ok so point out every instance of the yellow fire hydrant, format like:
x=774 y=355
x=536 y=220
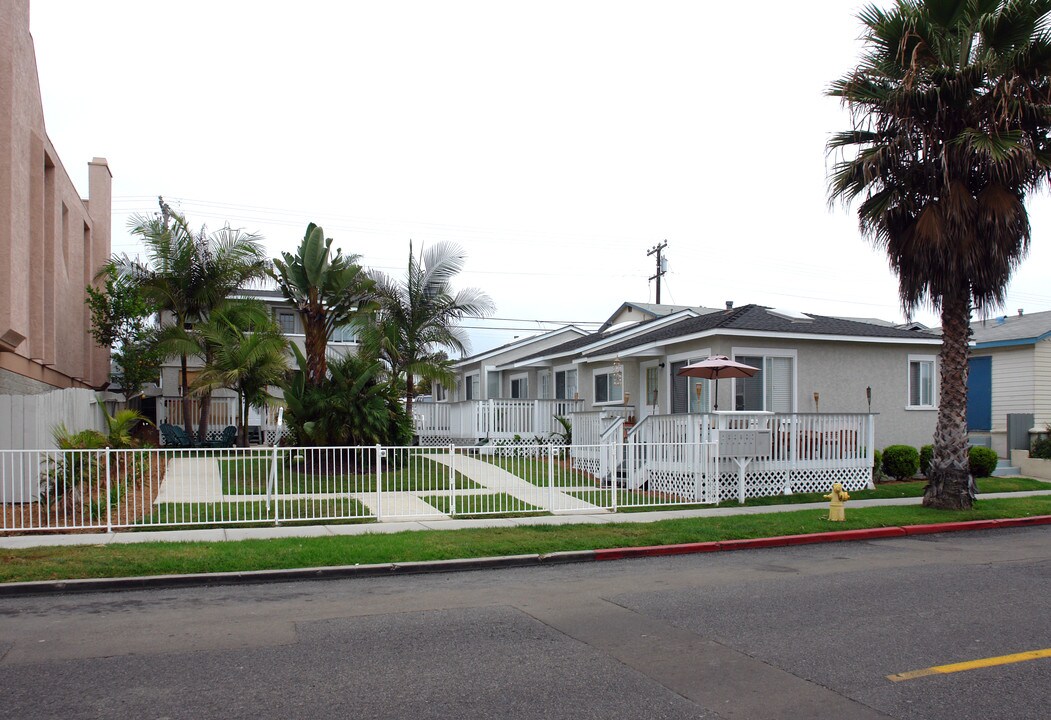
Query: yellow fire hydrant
x=836 y=498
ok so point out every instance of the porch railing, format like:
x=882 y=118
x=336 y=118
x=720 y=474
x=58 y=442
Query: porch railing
x=794 y=452
x=222 y=412
x=498 y=419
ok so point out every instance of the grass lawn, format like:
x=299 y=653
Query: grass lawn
x=120 y=560
x=483 y=505
x=248 y=476
x=537 y=471
x=240 y=512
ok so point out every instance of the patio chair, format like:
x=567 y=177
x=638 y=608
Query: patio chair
x=226 y=439
x=176 y=437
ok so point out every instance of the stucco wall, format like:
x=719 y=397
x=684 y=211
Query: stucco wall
x=503 y=358
x=839 y=371
x=52 y=241
x=12 y=383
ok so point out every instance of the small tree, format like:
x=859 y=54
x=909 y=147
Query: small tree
x=419 y=317
x=122 y=320
x=329 y=290
x=242 y=360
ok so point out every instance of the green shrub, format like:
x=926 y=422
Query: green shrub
x=926 y=453
x=901 y=462
x=983 y=461
x=878 y=475
x=1041 y=447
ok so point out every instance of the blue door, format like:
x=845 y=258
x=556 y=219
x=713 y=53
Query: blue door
x=980 y=394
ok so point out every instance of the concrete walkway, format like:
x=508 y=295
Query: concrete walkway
x=188 y=480
x=220 y=534
x=495 y=478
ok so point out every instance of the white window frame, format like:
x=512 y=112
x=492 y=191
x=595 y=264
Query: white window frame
x=607 y=372
x=522 y=377
x=924 y=359
x=342 y=332
x=668 y=381
x=490 y=373
x=282 y=313
x=544 y=388
x=472 y=385
x=566 y=369
x=768 y=353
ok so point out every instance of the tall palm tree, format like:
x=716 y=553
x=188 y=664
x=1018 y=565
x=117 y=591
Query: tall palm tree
x=951 y=108
x=246 y=352
x=329 y=290
x=419 y=315
x=186 y=273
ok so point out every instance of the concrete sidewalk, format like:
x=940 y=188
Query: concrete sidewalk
x=220 y=534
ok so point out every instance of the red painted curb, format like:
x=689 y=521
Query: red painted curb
x=656 y=550
x=815 y=538
x=1025 y=522
x=951 y=527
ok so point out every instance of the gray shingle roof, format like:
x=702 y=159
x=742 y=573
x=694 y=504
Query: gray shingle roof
x=759 y=319
x=747 y=317
x=1011 y=327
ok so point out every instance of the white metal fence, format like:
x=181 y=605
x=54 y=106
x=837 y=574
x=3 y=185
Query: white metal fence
x=113 y=489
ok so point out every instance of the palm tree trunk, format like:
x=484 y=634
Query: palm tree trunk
x=186 y=421
x=242 y=419
x=316 y=343
x=206 y=409
x=408 y=393
x=949 y=481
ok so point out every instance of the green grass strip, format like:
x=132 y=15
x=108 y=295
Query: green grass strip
x=253 y=512
x=122 y=560
x=248 y=476
x=488 y=505
x=542 y=472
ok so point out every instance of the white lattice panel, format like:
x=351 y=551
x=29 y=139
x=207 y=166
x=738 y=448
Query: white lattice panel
x=820 y=480
x=435 y=440
x=687 y=487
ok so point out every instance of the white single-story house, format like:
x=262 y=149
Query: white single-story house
x=1009 y=380
x=808 y=364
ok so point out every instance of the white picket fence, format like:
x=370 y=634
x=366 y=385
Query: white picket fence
x=772 y=453
x=222 y=412
x=497 y=419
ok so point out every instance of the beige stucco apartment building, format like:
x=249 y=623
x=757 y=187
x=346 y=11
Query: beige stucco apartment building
x=51 y=241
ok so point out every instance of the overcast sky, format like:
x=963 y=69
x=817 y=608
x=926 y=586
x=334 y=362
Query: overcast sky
x=556 y=142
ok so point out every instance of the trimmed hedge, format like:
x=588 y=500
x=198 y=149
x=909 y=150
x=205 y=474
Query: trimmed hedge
x=983 y=461
x=901 y=462
x=926 y=453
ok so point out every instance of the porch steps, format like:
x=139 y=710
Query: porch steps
x=1005 y=469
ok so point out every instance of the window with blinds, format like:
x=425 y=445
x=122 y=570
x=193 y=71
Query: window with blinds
x=685 y=397
x=770 y=389
x=921 y=383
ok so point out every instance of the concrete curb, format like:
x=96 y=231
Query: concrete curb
x=492 y=563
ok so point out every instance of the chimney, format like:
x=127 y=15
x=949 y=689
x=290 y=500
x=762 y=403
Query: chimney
x=729 y=304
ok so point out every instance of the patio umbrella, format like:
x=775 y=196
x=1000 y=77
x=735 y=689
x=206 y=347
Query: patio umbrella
x=715 y=367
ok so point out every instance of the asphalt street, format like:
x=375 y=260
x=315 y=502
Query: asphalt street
x=796 y=632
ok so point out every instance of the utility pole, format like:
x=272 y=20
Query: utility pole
x=662 y=265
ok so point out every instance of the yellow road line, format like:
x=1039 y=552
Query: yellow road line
x=972 y=665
